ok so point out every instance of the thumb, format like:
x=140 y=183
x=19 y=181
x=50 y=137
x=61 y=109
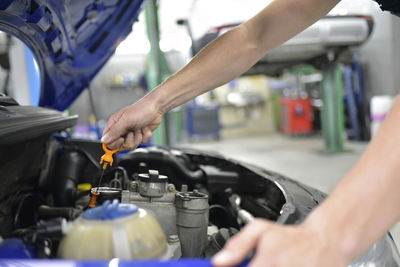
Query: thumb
x=238 y=247
x=115 y=131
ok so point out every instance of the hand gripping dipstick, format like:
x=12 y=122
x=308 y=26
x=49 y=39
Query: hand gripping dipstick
x=106 y=159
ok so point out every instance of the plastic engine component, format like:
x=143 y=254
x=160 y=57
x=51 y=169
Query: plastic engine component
x=114 y=230
x=110 y=211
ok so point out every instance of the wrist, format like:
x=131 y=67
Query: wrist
x=159 y=96
x=156 y=99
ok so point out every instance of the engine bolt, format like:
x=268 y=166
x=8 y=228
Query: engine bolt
x=133 y=187
x=184 y=188
x=171 y=188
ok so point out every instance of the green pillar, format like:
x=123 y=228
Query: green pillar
x=332 y=113
x=157 y=68
x=157 y=72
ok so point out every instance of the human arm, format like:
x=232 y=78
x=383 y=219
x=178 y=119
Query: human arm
x=222 y=60
x=359 y=211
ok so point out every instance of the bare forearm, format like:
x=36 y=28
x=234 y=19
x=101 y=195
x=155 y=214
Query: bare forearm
x=365 y=203
x=236 y=51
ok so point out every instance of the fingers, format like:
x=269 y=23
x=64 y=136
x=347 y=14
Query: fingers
x=128 y=120
x=261 y=258
x=113 y=119
x=147 y=134
x=239 y=246
x=138 y=138
x=129 y=142
x=132 y=140
x=114 y=132
x=116 y=144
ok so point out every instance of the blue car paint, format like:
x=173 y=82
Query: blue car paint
x=33 y=77
x=71 y=43
x=111 y=263
x=16 y=248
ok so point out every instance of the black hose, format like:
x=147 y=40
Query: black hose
x=68 y=168
x=161 y=158
x=46 y=212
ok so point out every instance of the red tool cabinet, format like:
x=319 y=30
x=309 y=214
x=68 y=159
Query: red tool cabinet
x=296 y=115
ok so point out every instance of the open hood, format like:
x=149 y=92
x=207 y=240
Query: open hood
x=71 y=40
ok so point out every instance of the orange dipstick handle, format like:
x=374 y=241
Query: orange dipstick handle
x=107 y=157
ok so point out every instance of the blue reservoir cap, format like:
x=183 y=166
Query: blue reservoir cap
x=110 y=211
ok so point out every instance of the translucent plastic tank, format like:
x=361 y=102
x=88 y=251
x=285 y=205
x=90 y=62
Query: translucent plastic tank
x=114 y=230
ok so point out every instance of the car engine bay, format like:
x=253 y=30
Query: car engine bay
x=198 y=199
x=154 y=202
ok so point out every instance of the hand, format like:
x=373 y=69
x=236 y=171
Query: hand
x=278 y=245
x=132 y=125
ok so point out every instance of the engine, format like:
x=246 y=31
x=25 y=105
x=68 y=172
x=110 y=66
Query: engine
x=183 y=215
x=153 y=203
x=180 y=225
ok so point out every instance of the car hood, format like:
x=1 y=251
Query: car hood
x=71 y=40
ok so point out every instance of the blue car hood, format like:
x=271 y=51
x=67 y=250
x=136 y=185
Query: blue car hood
x=71 y=39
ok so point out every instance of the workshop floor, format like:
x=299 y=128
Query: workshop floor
x=301 y=158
